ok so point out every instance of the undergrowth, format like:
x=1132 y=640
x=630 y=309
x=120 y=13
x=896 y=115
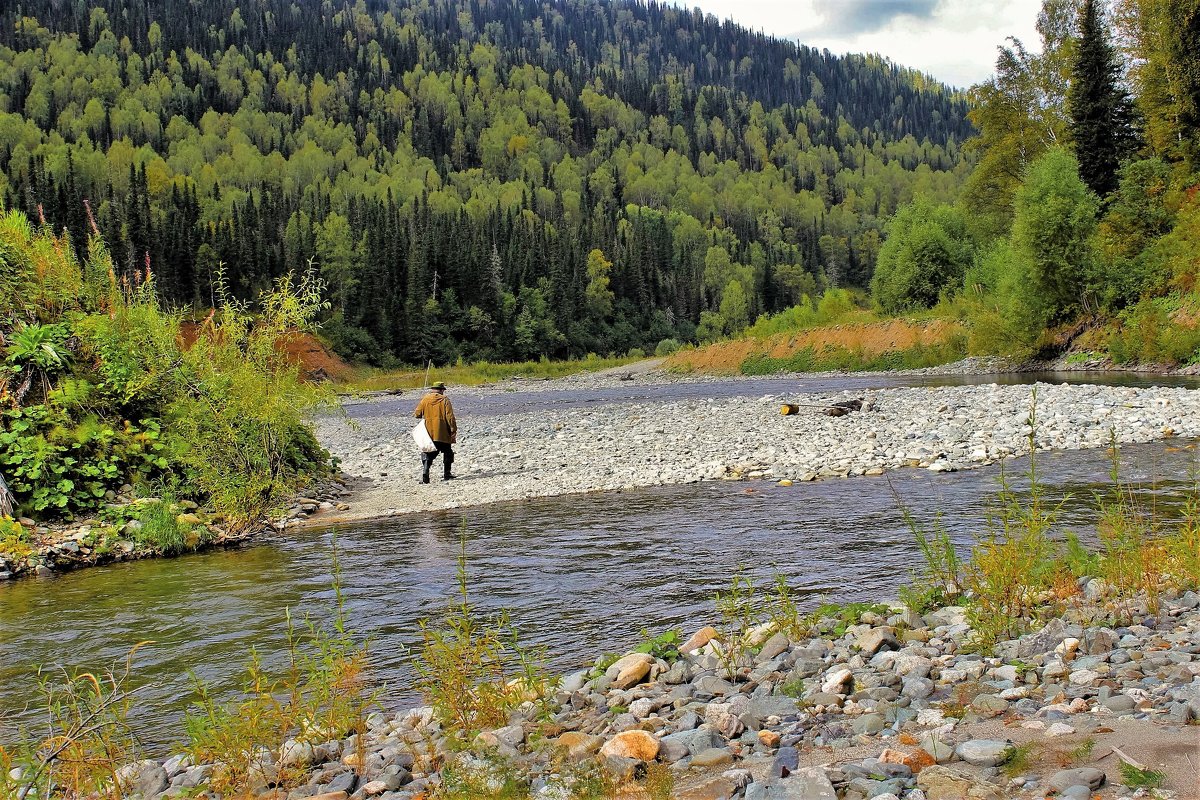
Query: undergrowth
x=472 y=667
x=1019 y=572
x=843 y=359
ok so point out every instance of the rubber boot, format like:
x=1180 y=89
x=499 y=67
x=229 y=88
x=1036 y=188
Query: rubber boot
x=447 y=460
x=426 y=463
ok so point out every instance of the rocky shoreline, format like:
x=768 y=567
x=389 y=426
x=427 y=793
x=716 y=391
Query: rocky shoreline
x=625 y=445
x=879 y=703
x=62 y=547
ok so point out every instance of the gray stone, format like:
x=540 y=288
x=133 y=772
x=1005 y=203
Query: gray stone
x=1044 y=641
x=574 y=682
x=694 y=741
x=773 y=647
x=912 y=666
x=1120 y=704
x=869 y=724
x=917 y=688
x=342 y=783
x=1084 y=776
x=712 y=685
x=989 y=704
x=787 y=761
x=941 y=751
x=876 y=639
x=144 y=779
x=511 y=735
x=984 y=752
x=296 y=754
x=1075 y=793
x=671 y=750
x=773 y=706
x=712 y=757
x=810 y=783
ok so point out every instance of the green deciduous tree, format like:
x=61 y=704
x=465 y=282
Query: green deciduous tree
x=598 y=295
x=1054 y=220
x=1020 y=113
x=927 y=251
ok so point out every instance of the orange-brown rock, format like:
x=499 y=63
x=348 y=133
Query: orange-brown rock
x=699 y=639
x=630 y=670
x=631 y=744
x=769 y=738
x=917 y=760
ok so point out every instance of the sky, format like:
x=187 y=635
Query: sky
x=953 y=40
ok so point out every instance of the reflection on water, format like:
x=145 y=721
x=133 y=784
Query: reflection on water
x=580 y=574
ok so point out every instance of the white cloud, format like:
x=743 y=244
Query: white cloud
x=956 y=43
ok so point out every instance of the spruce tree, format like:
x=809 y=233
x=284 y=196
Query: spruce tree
x=1102 y=112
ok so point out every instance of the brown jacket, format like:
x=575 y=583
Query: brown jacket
x=438 y=414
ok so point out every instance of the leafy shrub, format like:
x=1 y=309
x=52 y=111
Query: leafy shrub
x=667 y=347
x=665 y=645
x=1146 y=334
x=832 y=307
x=57 y=465
x=223 y=415
x=163 y=531
x=14 y=539
x=927 y=251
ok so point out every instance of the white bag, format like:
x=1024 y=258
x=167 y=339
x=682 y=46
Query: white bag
x=421 y=436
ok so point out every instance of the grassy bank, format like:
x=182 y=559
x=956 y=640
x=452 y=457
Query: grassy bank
x=480 y=372
x=850 y=346
x=103 y=402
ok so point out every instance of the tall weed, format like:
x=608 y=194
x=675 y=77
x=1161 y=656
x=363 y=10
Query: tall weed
x=472 y=667
x=941 y=579
x=1011 y=565
x=86 y=741
x=320 y=694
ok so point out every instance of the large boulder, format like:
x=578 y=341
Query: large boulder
x=637 y=745
x=984 y=752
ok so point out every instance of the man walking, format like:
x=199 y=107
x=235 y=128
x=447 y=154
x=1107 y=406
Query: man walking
x=438 y=414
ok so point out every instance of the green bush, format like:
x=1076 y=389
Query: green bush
x=1145 y=333
x=667 y=347
x=55 y=464
x=832 y=307
x=928 y=249
x=223 y=415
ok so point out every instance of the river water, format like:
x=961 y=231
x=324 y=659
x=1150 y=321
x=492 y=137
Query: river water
x=581 y=574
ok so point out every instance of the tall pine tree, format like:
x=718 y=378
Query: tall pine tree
x=1102 y=113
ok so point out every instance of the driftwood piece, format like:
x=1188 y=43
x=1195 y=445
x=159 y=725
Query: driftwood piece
x=838 y=409
x=1119 y=753
x=628 y=376
x=6 y=499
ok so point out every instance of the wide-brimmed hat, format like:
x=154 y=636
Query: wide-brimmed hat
x=438 y=385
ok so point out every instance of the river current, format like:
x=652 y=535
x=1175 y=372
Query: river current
x=581 y=574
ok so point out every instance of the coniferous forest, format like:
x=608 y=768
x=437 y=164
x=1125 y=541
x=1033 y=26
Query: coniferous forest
x=500 y=180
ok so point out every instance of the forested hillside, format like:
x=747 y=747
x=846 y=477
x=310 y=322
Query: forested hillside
x=1080 y=224
x=473 y=179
